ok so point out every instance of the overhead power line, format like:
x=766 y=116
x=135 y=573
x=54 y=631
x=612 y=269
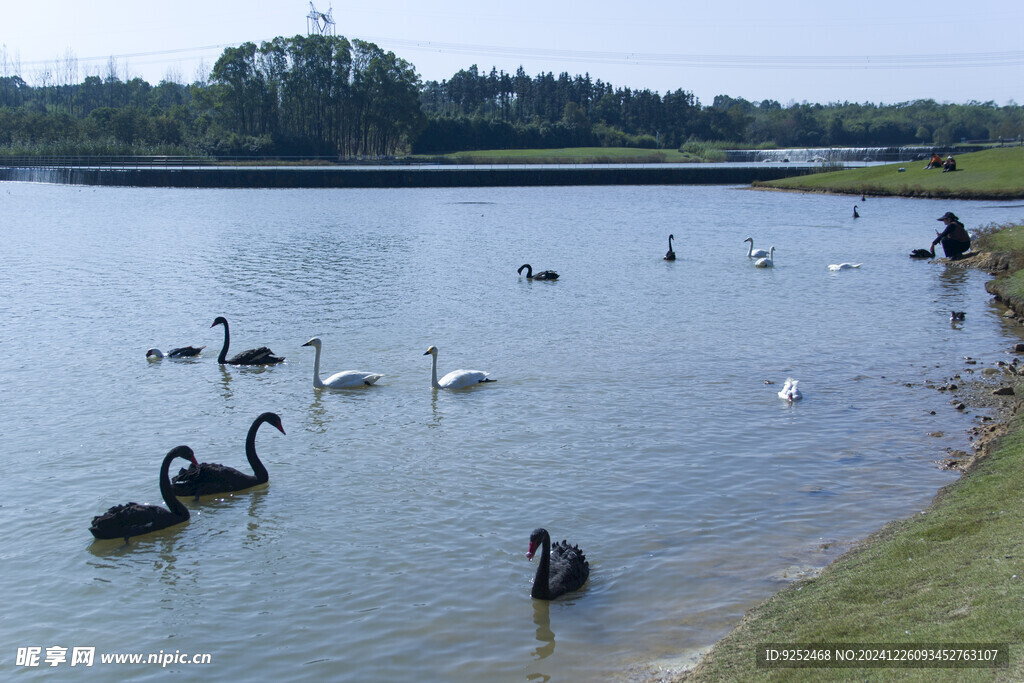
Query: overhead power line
x=943 y=60
x=940 y=61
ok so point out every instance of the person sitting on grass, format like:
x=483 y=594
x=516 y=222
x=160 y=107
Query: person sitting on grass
x=955 y=240
x=949 y=164
x=935 y=162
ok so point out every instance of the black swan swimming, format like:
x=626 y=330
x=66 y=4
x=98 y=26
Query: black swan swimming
x=671 y=255
x=923 y=253
x=957 y=315
x=132 y=519
x=260 y=356
x=180 y=352
x=542 y=275
x=207 y=478
x=855 y=214
x=562 y=569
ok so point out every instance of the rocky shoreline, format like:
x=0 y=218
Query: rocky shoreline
x=992 y=391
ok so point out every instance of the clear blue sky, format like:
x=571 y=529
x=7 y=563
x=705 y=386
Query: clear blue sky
x=788 y=50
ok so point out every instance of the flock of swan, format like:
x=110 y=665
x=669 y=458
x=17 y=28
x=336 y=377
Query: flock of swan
x=561 y=569
x=766 y=259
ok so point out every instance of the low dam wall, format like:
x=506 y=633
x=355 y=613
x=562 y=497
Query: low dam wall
x=397 y=176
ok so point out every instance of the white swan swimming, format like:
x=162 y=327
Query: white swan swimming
x=790 y=391
x=456 y=379
x=347 y=379
x=768 y=261
x=760 y=253
x=844 y=266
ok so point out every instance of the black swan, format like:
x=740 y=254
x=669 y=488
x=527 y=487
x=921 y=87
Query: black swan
x=260 y=356
x=855 y=214
x=206 y=478
x=923 y=253
x=125 y=521
x=957 y=315
x=180 y=352
x=542 y=275
x=562 y=569
x=671 y=255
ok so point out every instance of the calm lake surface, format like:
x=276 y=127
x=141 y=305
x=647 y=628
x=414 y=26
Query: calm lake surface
x=631 y=416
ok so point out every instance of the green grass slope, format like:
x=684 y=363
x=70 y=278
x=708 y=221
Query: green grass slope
x=991 y=174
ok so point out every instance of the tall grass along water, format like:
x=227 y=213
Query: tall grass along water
x=631 y=414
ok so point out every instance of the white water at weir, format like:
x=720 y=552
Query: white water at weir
x=832 y=154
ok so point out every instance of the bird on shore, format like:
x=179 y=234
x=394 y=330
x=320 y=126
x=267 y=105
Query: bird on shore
x=844 y=266
x=346 y=379
x=456 y=379
x=789 y=391
x=752 y=253
x=768 y=261
x=260 y=356
x=670 y=255
x=562 y=568
x=542 y=275
x=180 y=352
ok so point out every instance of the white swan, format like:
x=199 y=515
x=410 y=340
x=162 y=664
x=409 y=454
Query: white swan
x=347 y=379
x=456 y=379
x=790 y=391
x=760 y=253
x=844 y=266
x=768 y=261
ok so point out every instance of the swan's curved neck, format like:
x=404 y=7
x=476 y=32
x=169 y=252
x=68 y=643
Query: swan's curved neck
x=529 y=271
x=750 y=251
x=167 y=491
x=542 y=579
x=258 y=469
x=670 y=242
x=227 y=340
x=317 y=382
x=433 y=371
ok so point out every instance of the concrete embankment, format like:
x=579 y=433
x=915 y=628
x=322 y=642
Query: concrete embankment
x=396 y=177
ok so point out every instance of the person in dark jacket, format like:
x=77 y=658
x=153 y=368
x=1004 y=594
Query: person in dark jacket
x=954 y=239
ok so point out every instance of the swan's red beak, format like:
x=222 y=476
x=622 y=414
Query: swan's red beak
x=529 y=553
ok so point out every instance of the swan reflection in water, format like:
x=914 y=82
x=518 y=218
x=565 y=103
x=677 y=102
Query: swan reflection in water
x=545 y=636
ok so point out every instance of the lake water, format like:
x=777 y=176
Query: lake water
x=630 y=415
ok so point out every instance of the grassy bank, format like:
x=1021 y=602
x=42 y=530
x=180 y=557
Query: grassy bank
x=952 y=574
x=991 y=174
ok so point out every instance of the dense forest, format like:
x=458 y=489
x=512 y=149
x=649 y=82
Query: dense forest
x=331 y=97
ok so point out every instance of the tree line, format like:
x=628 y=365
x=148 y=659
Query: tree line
x=329 y=96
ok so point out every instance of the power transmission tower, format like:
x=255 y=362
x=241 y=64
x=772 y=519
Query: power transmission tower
x=318 y=22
